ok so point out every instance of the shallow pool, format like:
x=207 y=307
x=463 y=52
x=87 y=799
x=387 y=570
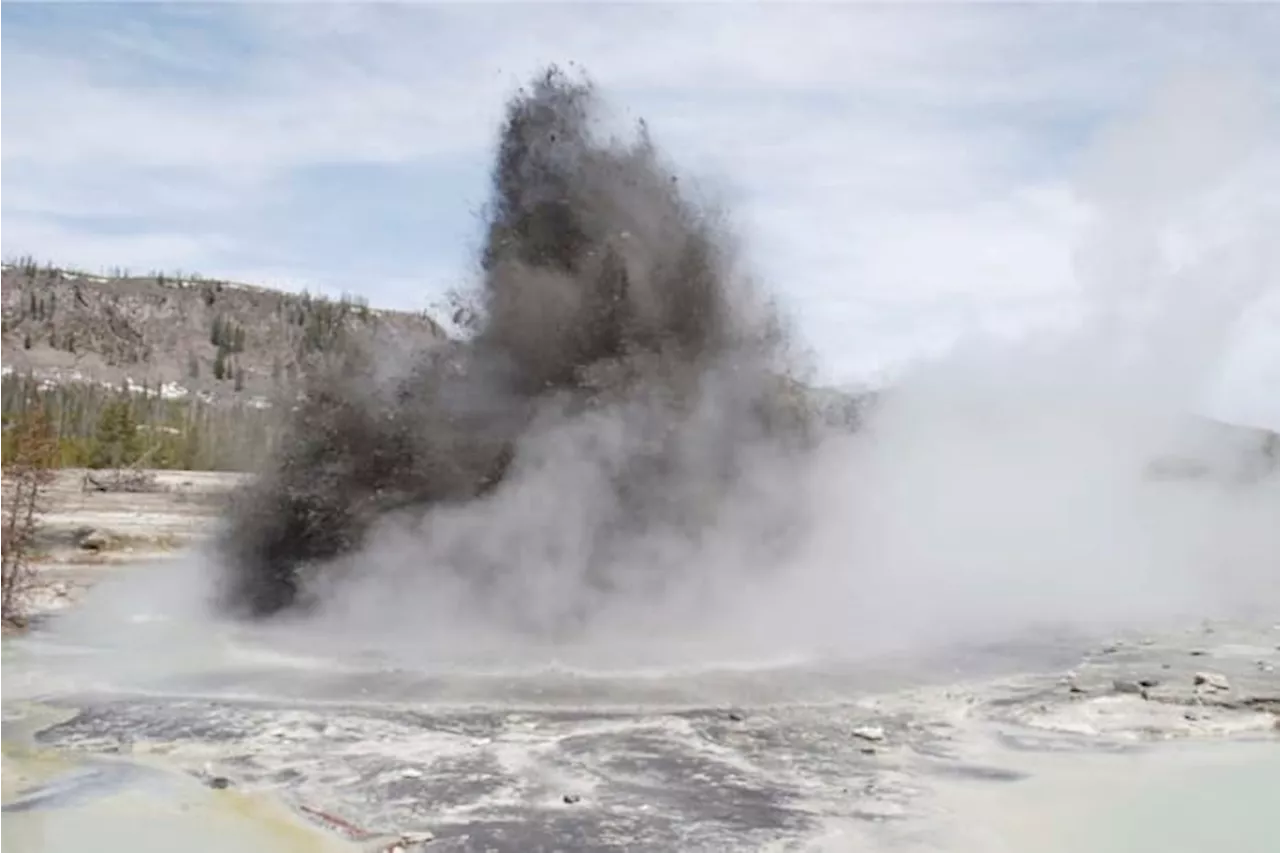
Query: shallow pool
x=161 y=817
x=1174 y=798
x=57 y=802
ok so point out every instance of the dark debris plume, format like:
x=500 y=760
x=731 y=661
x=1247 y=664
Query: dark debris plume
x=603 y=287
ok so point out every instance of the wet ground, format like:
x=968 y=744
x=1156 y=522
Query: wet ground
x=234 y=743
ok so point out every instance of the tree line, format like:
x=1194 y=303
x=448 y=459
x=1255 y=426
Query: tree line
x=95 y=426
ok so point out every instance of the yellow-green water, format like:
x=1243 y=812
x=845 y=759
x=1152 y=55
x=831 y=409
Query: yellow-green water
x=134 y=807
x=187 y=818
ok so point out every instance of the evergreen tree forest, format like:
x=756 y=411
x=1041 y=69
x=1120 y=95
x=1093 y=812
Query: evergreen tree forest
x=104 y=427
x=233 y=346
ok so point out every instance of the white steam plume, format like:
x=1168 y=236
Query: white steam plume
x=1003 y=487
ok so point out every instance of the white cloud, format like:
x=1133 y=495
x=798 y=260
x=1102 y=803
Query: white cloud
x=898 y=170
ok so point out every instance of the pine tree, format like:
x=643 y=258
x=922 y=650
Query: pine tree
x=220 y=364
x=30 y=454
x=116 y=439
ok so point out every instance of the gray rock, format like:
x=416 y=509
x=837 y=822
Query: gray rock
x=871 y=733
x=1211 y=681
x=570 y=799
x=1121 y=685
x=91 y=540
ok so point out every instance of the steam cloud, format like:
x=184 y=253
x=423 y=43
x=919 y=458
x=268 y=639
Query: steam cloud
x=619 y=453
x=621 y=377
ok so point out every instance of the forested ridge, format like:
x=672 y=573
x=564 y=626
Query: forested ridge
x=169 y=370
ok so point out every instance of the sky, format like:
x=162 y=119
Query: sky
x=898 y=174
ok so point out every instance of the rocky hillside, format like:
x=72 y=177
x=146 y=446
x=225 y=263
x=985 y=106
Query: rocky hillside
x=187 y=335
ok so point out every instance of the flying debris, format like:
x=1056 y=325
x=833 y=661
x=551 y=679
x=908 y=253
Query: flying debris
x=608 y=314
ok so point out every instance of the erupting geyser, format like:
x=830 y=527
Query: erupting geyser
x=610 y=318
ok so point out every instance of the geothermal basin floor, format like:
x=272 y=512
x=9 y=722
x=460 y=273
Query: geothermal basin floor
x=1163 y=742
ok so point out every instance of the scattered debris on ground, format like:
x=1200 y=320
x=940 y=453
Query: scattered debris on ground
x=1211 y=681
x=130 y=480
x=89 y=539
x=334 y=822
